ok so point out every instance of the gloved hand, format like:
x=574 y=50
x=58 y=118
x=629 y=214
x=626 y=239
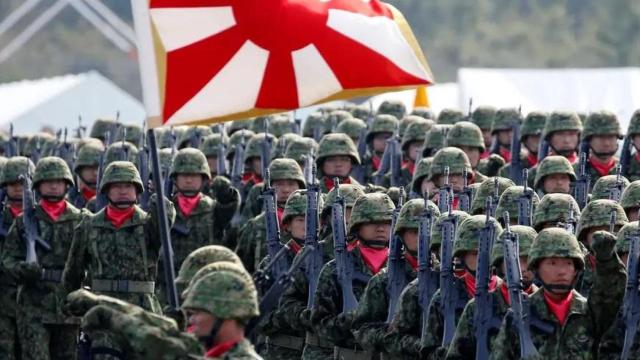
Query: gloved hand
x=78 y=302
x=305 y=319
x=603 y=244
x=223 y=191
x=345 y=320
x=178 y=315
x=28 y=272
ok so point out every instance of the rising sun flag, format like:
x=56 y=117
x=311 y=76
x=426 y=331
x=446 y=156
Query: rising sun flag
x=207 y=61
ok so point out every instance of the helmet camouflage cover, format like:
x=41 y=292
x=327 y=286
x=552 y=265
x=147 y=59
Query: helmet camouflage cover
x=14 y=167
x=561 y=121
x=121 y=151
x=465 y=133
x=553 y=164
x=625 y=234
x=121 y=172
x=382 y=124
x=254 y=146
x=435 y=139
x=370 y=208
x=199 y=131
x=634 y=124
x=52 y=168
x=533 y=124
x=299 y=148
x=393 y=107
x=483 y=116
x=504 y=119
x=314 y=121
x=436 y=232
x=450 y=116
x=102 y=126
x=451 y=157
x=509 y=202
x=202 y=256
x=190 y=161
x=286 y=169
x=209 y=145
x=554 y=209
x=416 y=132
x=423 y=168
x=486 y=189
x=349 y=192
x=409 y=217
x=353 y=127
x=133 y=133
x=469 y=234
x=237 y=138
x=280 y=125
x=555 y=242
x=88 y=155
x=526 y=237
x=631 y=196
x=598 y=213
x=603 y=186
x=336 y=145
x=405 y=122
x=423 y=112
x=601 y=123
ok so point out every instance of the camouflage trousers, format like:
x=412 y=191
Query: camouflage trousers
x=313 y=351
x=282 y=347
x=103 y=344
x=9 y=346
x=47 y=341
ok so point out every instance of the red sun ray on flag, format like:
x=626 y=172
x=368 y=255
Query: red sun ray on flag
x=217 y=60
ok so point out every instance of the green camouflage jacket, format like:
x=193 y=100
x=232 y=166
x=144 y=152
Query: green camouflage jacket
x=634 y=170
x=8 y=281
x=593 y=173
x=587 y=321
x=369 y=324
x=252 y=246
x=128 y=253
x=42 y=300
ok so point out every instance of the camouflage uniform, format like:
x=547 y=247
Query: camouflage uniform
x=44 y=331
x=327 y=319
x=550 y=165
x=630 y=199
x=467 y=134
x=403 y=338
x=193 y=136
x=335 y=145
x=435 y=139
x=509 y=202
x=532 y=125
x=450 y=116
x=415 y=133
x=633 y=173
x=423 y=168
x=587 y=319
x=88 y=156
x=9 y=345
x=483 y=117
x=596 y=214
x=381 y=124
x=463 y=345
x=603 y=186
x=553 y=210
x=393 y=107
x=369 y=324
x=487 y=189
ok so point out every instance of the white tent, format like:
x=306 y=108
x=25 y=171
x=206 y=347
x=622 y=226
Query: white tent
x=57 y=102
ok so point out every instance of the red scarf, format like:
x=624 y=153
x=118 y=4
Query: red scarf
x=374 y=258
x=411 y=260
x=279 y=215
x=119 y=216
x=249 y=176
x=470 y=283
x=294 y=247
x=532 y=159
x=485 y=154
x=505 y=153
x=220 y=349
x=375 y=162
x=591 y=261
x=53 y=209
x=456 y=201
x=15 y=209
x=559 y=308
x=328 y=182
x=602 y=168
x=638 y=156
x=88 y=193
x=188 y=204
x=573 y=158
x=504 y=290
x=409 y=165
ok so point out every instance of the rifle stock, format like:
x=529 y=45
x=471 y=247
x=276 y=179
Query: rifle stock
x=344 y=258
x=396 y=280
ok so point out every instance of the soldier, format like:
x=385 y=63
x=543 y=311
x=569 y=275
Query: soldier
x=502 y=132
x=562 y=131
x=421 y=182
x=468 y=137
x=554 y=175
x=601 y=131
x=406 y=121
x=483 y=117
x=530 y=133
x=597 y=215
x=200 y=220
x=315 y=126
x=604 y=186
x=486 y=189
x=283 y=143
x=370 y=225
x=382 y=128
x=369 y=324
x=286 y=177
x=403 y=338
x=435 y=140
x=572 y=324
x=393 y=107
x=450 y=116
x=45 y=333
x=353 y=128
x=103 y=126
x=280 y=125
x=509 y=202
x=457 y=162
x=412 y=147
x=238 y=125
x=465 y=250
x=253 y=162
x=192 y=136
x=12 y=208
x=630 y=200
x=86 y=170
x=463 y=345
x=337 y=155
x=209 y=147
x=633 y=132
x=553 y=211
x=200 y=258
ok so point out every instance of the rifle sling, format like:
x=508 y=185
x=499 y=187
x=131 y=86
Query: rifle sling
x=123 y=286
x=286 y=341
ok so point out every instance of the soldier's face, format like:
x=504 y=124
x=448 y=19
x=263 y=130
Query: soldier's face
x=337 y=166
x=428 y=186
x=410 y=239
x=414 y=148
x=201 y=322
x=122 y=192
x=564 y=141
x=296 y=227
x=486 y=136
x=473 y=153
x=632 y=214
x=213 y=165
x=284 y=188
x=504 y=137
x=189 y=182
x=375 y=231
x=470 y=259
x=527 y=275
x=52 y=187
x=532 y=142
x=456 y=181
x=89 y=175
x=380 y=141
x=604 y=144
x=556 y=183
x=256 y=165
x=557 y=271
x=14 y=190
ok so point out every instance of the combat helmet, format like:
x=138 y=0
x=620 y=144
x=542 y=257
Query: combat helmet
x=435 y=139
x=199 y=258
x=509 y=202
x=361 y=112
x=405 y=122
x=469 y=234
x=554 y=209
x=193 y=136
x=597 y=213
x=238 y=137
x=102 y=126
x=286 y=169
x=504 y=119
x=254 y=146
x=121 y=151
x=370 y=208
x=299 y=148
x=436 y=229
x=483 y=116
x=349 y=192
x=624 y=236
x=14 y=168
x=190 y=161
x=315 y=123
x=561 y=121
x=133 y=133
x=416 y=132
x=52 y=168
x=423 y=168
x=353 y=127
x=296 y=206
x=338 y=116
x=451 y=157
x=88 y=156
x=553 y=164
x=209 y=145
x=526 y=237
x=121 y=172
x=555 y=242
x=392 y=107
x=634 y=124
x=601 y=123
x=603 y=186
x=631 y=196
x=486 y=189
x=450 y=117
x=280 y=125
x=423 y=112
x=409 y=217
x=382 y=124
x=533 y=124
x=336 y=145
x=238 y=125
x=465 y=133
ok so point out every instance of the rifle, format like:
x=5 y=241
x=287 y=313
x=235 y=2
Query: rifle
x=143 y=165
x=515 y=170
x=165 y=235
x=631 y=303
x=612 y=221
x=358 y=170
x=37 y=152
x=238 y=164
x=571 y=221
x=395 y=161
x=466 y=195
x=31 y=232
x=11 y=146
x=221 y=150
x=525 y=202
x=396 y=279
x=3 y=198
x=495 y=198
x=625 y=155
x=317 y=132
x=65 y=150
x=427 y=275
x=265 y=154
x=484 y=301
x=272 y=227
x=344 y=258
x=519 y=300
x=168 y=181
x=616 y=191
x=314 y=261
x=385 y=164
x=296 y=126
x=581 y=189
x=444 y=193
x=309 y=160
x=447 y=279
x=101 y=199
x=543 y=150
x=80 y=130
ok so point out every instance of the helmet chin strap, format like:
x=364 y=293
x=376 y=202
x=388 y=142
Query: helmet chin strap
x=374 y=243
x=564 y=153
x=209 y=340
x=189 y=193
x=122 y=204
x=52 y=198
x=604 y=154
x=558 y=289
